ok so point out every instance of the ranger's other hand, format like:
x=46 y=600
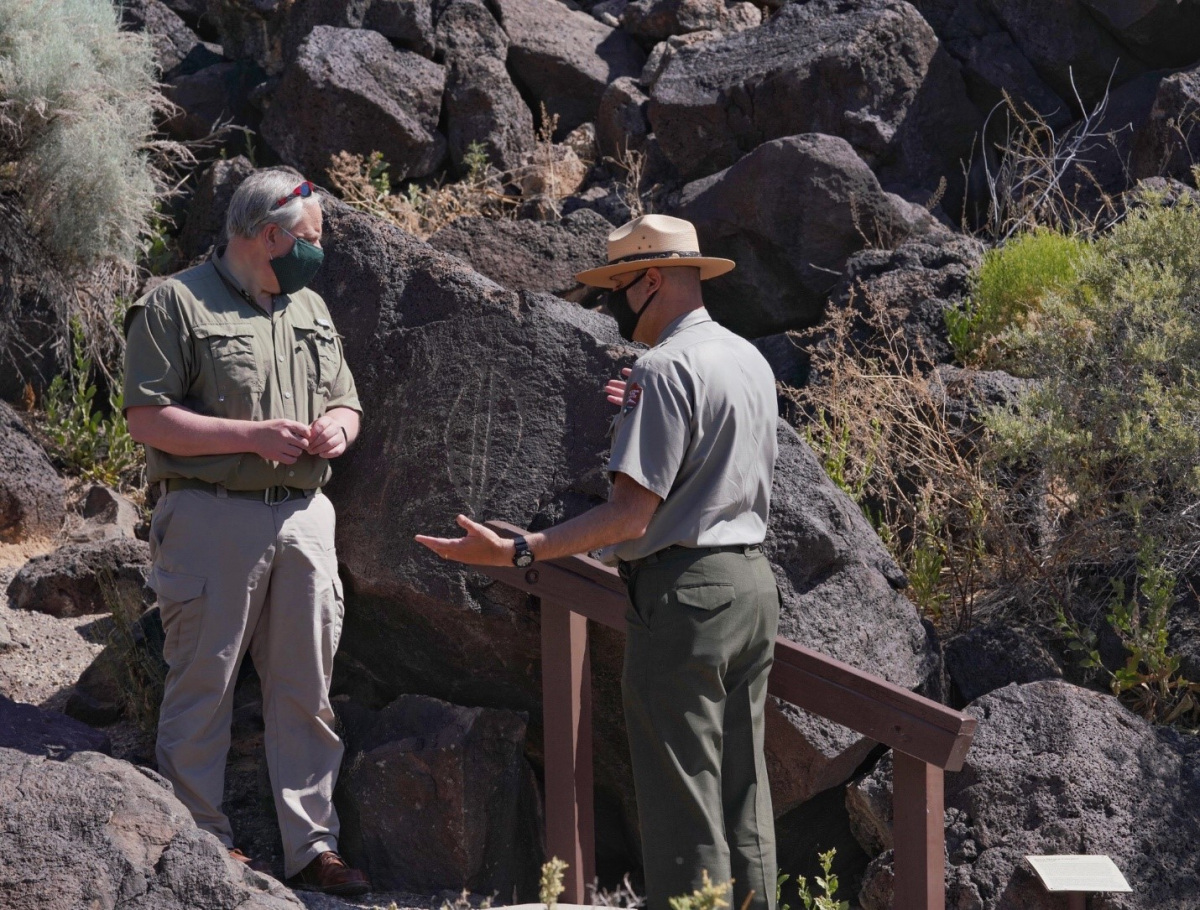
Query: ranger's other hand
x=615 y=390
x=481 y=547
x=280 y=440
x=326 y=438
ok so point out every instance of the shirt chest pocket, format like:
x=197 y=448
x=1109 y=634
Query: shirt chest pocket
x=232 y=358
x=317 y=349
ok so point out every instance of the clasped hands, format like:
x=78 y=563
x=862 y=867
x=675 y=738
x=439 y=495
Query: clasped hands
x=284 y=441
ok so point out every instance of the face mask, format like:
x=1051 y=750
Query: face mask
x=618 y=305
x=297 y=268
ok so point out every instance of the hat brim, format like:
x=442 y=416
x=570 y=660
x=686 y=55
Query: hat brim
x=710 y=267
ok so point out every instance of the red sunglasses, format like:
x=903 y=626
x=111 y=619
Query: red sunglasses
x=304 y=190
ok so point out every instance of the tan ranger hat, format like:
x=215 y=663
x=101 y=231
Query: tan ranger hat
x=653 y=240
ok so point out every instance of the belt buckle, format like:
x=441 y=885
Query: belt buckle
x=269 y=496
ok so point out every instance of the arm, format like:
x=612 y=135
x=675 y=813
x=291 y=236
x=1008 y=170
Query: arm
x=624 y=517
x=178 y=431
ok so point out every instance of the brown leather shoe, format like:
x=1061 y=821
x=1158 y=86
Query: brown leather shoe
x=329 y=874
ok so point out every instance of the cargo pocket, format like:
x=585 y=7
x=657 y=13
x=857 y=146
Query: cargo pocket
x=707 y=596
x=234 y=363
x=180 y=607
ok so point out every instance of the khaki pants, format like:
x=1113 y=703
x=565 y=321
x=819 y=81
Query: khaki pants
x=699 y=647
x=235 y=575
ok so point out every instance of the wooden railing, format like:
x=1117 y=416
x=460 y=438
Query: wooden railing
x=927 y=738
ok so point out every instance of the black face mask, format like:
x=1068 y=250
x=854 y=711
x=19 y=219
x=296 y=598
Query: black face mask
x=618 y=304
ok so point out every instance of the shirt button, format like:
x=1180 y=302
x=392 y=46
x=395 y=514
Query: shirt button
x=291 y=473
x=281 y=358
x=287 y=394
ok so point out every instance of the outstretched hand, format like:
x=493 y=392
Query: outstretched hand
x=615 y=390
x=481 y=547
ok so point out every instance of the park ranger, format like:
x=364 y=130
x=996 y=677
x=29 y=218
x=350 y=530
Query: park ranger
x=236 y=384
x=692 y=458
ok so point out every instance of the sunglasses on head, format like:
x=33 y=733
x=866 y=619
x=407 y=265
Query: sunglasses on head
x=304 y=190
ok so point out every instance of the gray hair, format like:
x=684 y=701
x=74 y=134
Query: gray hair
x=253 y=204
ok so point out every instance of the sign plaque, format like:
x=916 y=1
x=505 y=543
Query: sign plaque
x=1081 y=874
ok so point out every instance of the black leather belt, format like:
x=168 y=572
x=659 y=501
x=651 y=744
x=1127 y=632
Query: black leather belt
x=679 y=549
x=272 y=496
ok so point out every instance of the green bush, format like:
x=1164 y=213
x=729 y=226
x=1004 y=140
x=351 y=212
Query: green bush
x=77 y=102
x=1012 y=282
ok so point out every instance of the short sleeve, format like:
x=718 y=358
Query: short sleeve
x=156 y=363
x=653 y=431
x=343 y=393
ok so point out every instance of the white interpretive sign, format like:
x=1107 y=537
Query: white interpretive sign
x=1078 y=873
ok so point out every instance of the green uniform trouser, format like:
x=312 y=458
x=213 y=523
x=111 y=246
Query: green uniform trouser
x=701 y=635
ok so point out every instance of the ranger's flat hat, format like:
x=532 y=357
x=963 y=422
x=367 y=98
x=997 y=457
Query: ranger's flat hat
x=653 y=240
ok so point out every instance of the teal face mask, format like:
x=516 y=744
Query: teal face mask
x=297 y=268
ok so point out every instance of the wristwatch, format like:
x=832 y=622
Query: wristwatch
x=522 y=555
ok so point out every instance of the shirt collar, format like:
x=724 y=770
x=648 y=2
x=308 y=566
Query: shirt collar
x=686 y=321
x=218 y=261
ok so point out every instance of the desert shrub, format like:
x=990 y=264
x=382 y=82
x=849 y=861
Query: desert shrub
x=78 y=171
x=1011 y=283
x=136 y=644
x=85 y=438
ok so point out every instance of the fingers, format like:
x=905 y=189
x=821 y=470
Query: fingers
x=627 y=372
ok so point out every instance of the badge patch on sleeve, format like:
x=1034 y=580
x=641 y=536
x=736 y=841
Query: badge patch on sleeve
x=633 y=394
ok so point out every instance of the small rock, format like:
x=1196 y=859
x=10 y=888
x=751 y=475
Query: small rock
x=993 y=656
x=81 y=579
x=107 y=514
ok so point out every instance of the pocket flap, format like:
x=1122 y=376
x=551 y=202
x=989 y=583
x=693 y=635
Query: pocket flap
x=174 y=586
x=706 y=596
x=223 y=330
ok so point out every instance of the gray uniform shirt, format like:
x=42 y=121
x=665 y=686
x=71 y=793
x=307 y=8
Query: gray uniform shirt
x=697 y=427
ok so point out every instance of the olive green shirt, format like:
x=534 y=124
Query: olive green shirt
x=199 y=341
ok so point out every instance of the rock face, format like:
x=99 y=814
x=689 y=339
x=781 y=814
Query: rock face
x=205 y=224
x=483 y=106
x=994 y=656
x=790 y=248
x=440 y=796
x=213 y=95
x=564 y=58
x=350 y=90
x=80 y=579
x=98 y=832
x=177 y=49
x=655 y=20
x=46 y=733
x=1168 y=144
x=538 y=256
x=485 y=402
x=31 y=492
x=858 y=71
x=1056 y=769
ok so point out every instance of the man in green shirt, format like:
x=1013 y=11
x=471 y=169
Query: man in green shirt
x=236 y=384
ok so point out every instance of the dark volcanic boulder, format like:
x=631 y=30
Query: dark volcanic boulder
x=483 y=106
x=350 y=90
x=31 y=492
x=621 y=124
x=1168 y=144
x=993 y=656
x=216 y=94
x=564 y=58
x=467 y=29
x=98 y=832
x=1056 y=769
x=80 y=579
x=859 y=71
x=409 y=23
x=483 y=401
x=440 y=796
x=1160 y=32
x=790 y=247
x=205 y=224
x=534 y=255
x=269 y=32
x=177 y=49
x=654 y=20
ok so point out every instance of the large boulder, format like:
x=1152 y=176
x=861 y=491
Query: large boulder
x=350 y=90
x=31 y=492
x=177 y=49
x=98 y=832
x=46 y=733
x=269 y=32
x=439 y=796
x=1168 y=143
x=204 y=225
x=538 y=256
x=791 y=247
x=467 y=29
x=993 y=656
x=868 y=72
x=218 y=94
x=487 y=402
x=409 y=23
x=1159 y=32
x=83 y=578
x=563 y=58
x=483 y=106
x=1055 y=769
x=655 y=20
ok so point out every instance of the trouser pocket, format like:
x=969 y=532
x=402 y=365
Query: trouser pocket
x=180 y=605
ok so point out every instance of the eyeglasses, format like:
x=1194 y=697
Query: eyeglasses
x=304 y=190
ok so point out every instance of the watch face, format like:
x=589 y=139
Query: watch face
x=523 y=559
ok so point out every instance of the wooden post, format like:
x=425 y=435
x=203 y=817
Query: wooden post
x=918 y=833
x=567 y=716
x=1077 y=900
